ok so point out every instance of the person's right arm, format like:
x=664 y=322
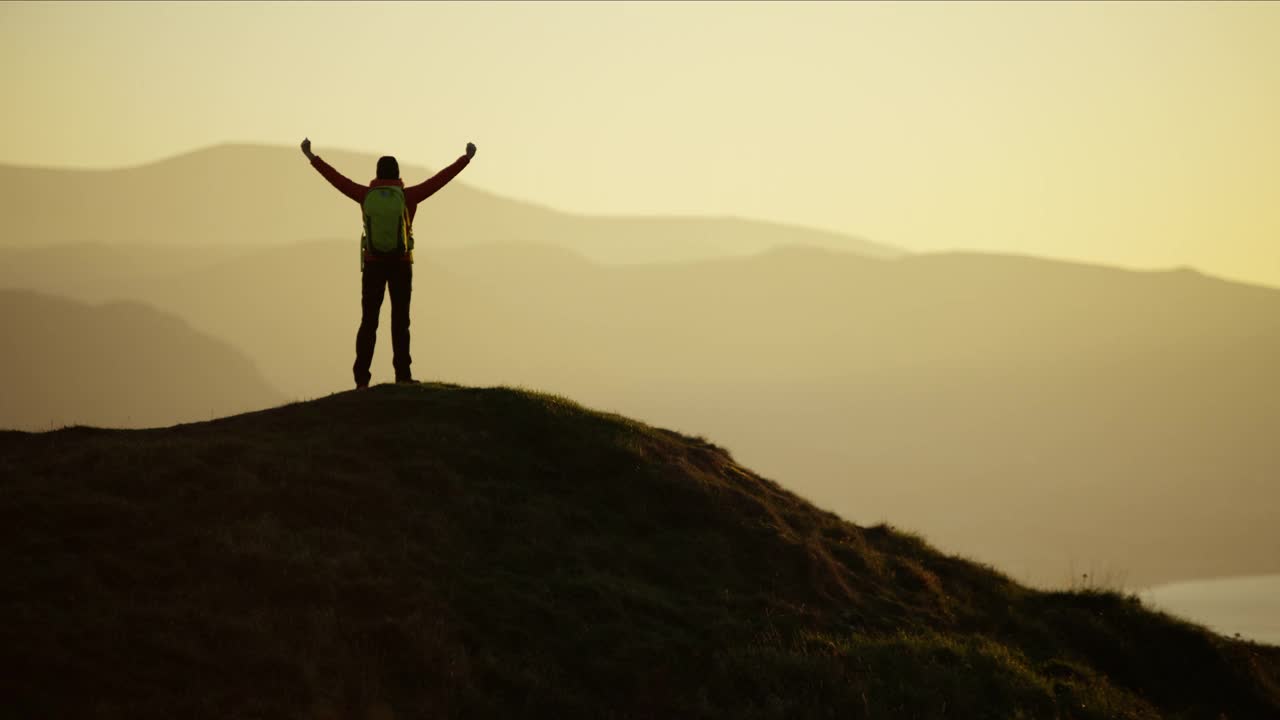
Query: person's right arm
x=346 y=186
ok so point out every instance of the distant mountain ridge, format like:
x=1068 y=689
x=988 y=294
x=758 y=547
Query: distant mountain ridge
x=270 y=196
x=121 y=364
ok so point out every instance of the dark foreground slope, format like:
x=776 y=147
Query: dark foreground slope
x=436 y=551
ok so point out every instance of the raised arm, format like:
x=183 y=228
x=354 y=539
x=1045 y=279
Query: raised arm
x=422 y=191
x=346 y=186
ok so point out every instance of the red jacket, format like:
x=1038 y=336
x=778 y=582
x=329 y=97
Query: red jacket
x=412 y=195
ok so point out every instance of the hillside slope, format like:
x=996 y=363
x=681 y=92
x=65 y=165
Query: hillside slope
x=270 y=196
x=438 y=551
x=122 y=364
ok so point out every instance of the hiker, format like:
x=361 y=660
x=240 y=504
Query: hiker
x=386 y=251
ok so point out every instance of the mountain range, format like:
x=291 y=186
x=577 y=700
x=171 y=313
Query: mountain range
x=262 y=196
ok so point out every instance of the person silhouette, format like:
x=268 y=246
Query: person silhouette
x=386 y=251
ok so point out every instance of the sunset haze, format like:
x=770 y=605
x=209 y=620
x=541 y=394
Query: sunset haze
x=1141 y=135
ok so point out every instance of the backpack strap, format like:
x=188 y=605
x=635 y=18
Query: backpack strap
x=407 y=232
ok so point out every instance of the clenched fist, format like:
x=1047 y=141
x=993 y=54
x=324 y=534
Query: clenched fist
x=471 y=150
x=306 y=148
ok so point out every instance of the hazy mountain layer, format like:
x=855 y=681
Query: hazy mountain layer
x=438 y=551
x=270 y=196
x=122 y=364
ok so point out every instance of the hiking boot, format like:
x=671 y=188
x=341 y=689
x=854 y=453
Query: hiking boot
x=405 y=381
x=362 y=386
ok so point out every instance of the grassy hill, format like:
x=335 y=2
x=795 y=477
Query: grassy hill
x=440 y=551
x=121 y=364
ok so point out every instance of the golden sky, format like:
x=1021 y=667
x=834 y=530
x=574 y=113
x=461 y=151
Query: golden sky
x=1142 y=135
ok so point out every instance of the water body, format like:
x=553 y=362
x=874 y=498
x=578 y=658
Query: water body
x=1248 y=606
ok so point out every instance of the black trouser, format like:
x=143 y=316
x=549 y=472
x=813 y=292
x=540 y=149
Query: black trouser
x=379 y=274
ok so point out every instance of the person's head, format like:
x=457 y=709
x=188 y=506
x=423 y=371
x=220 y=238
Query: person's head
x=388 y=168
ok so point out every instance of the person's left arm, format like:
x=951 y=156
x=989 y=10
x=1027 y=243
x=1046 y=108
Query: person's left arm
x=424 y=190
x=345 y=185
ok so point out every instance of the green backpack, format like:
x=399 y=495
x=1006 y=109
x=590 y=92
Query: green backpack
x=386 y=222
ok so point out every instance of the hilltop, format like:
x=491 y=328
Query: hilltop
x=441 y=551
